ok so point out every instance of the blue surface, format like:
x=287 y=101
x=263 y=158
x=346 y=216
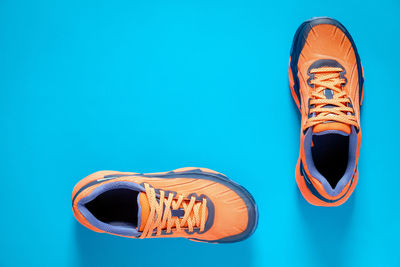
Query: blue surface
x=148 y=86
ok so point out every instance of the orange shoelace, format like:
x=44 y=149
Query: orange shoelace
x=335 y=109
x=161 y=218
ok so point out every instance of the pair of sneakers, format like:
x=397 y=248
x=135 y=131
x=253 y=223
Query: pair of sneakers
x=326 y=81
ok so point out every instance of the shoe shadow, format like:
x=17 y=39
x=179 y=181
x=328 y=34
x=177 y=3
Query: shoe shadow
x=328 y=230
x=96 y=249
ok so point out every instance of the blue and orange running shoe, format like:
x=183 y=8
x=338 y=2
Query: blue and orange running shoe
x=194 y=203
x=326 y=80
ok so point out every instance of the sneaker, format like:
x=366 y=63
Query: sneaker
x=326 y=80
x=194 y=203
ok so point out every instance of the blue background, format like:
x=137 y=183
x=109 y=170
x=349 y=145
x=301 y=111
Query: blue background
x=150 y=86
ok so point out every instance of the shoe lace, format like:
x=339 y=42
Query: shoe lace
x=335 y=109
x=160 y=216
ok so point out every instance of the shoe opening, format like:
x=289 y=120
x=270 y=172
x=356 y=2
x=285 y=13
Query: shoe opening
x=330 y=154
x=117 y=207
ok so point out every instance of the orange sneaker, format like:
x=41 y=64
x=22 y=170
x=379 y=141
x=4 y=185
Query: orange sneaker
x=194 y=203
x=326 y=81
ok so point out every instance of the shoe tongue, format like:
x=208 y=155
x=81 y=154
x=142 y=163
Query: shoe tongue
x=144 y=210
x=332 y=127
